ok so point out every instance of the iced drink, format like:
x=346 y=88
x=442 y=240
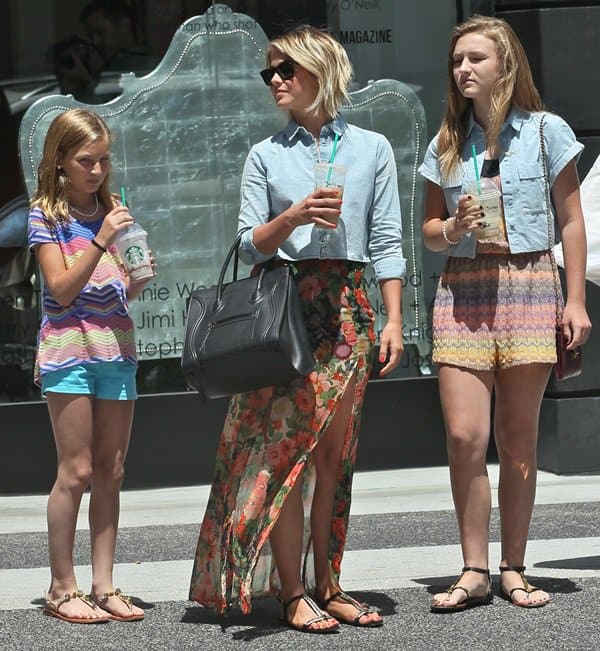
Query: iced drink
x=330 y=176
x=132 y=244
x=490 y=200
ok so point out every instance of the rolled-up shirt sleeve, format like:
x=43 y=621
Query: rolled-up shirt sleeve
x=254 y=207
x=562 y=146
x=385 y=233
x=430 y=168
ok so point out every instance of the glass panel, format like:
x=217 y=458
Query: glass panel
x=181 y=135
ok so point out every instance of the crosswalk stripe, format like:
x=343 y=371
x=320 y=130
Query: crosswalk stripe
x=384 y=491
x=374 y=569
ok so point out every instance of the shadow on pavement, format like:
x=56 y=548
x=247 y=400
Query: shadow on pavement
x=264 y=620
x=581 y=563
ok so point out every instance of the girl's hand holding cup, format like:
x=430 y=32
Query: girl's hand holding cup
x=467 y=216
x=114 y=221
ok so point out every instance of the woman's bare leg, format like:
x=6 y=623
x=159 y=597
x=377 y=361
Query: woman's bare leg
x=286 y=546
x=466 y=401
x=328 y=458
x=519 y=392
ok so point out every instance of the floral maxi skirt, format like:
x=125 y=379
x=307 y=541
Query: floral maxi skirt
x=268 y=437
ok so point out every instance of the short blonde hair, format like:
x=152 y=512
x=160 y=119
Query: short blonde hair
x=320 y=54
x=73 y=128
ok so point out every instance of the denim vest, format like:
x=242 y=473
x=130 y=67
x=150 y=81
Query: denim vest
x=521 y=173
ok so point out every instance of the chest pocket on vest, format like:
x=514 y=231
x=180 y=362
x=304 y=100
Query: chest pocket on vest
x=531 y=188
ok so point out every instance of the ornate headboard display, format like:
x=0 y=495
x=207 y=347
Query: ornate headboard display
x=180 y=138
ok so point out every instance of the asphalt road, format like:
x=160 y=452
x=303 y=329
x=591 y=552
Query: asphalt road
x=402 y=547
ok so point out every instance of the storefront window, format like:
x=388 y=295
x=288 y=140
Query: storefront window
x=182 y=134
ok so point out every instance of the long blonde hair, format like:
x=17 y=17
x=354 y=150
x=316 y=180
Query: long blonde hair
x=319 y=53
x=71 y=129
x=514 y=87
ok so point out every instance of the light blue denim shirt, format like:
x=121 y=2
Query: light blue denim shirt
x=279 y=172
x=521 y=173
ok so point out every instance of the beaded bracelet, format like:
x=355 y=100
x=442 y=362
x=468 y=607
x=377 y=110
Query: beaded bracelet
x=445 y=235
x=102 y=248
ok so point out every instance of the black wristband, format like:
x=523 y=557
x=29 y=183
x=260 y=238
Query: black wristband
x=99 y=246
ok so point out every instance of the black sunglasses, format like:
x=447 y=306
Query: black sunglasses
x=285 y=70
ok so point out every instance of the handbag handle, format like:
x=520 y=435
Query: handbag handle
x=235 y=253
x=550 y=220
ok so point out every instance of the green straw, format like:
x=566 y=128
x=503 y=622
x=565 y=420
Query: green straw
x=474 y=156
x=331 y=158
x=123 y=196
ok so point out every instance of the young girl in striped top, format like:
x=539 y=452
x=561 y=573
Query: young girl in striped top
x=86 y=361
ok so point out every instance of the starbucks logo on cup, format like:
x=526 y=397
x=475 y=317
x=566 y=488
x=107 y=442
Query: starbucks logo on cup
x=135 y=255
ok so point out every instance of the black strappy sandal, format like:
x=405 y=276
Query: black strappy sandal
x=306 y=626
x=470 y=601
x=363 y=609
x=520 y=569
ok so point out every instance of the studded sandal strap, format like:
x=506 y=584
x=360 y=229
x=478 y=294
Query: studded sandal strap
x=363 y=609
x=320 y=616
x=125 y=598
x=307 y=600
x=54 y=605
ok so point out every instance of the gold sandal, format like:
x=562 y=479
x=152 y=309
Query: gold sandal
x=52 y=609
x=126 y=599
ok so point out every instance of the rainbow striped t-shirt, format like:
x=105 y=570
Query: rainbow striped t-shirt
x=96 y=327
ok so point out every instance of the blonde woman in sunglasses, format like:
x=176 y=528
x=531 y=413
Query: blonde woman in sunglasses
x=277 y=517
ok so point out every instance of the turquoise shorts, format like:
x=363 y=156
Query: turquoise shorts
x=104 y=380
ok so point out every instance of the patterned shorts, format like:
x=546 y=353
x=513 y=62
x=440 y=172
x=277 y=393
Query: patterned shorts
x=496 y=311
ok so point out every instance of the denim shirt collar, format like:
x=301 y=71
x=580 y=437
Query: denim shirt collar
x=337 y=125
x=514 y=120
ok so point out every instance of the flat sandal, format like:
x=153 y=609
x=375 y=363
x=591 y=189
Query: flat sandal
x=520 y=569
x=126 y=599
x=320 y=616
x=362 y=610
x=52 y=608
x=469 y=601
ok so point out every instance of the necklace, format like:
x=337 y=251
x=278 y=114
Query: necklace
x=86 y=214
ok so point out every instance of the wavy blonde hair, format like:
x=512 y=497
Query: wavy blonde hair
x=320 y=54
x=514 y=87
x=71 y=129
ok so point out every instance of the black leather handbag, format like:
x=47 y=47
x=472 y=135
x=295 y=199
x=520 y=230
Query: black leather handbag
x=246 y=334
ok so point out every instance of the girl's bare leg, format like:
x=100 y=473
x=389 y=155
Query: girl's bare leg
x=466 y=401
x=112 y=430
x=519 y=392
x=71 y=417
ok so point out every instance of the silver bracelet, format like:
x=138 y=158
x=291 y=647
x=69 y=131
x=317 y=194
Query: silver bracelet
x=445 y=235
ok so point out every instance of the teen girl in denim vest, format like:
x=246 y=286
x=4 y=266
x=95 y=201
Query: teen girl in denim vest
x=495 y=311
